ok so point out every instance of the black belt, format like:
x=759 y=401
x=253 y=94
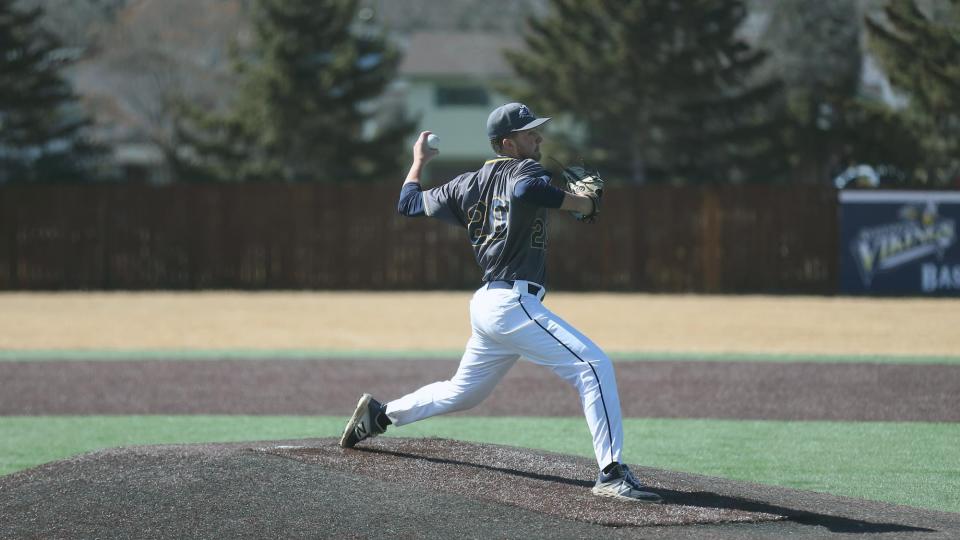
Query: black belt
x=508 y=284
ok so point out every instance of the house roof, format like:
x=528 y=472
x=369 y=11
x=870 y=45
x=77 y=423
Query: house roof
x=448 y=53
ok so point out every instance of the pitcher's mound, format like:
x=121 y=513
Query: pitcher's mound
x=406 y=487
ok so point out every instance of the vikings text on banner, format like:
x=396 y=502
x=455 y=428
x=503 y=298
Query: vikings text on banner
x=899 y=242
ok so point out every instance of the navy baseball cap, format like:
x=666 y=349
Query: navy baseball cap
x=511 y=117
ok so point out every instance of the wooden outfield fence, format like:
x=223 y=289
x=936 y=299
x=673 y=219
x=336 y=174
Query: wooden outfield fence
x=299 y=236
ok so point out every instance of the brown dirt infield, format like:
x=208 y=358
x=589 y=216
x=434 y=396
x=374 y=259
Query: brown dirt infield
x=675 y=389
x=439 y=321
x=424 y=488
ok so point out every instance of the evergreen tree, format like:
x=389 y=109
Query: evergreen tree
x=831 y=124
x=42 y=128
x=667 y=90
x=309 y=84
x=921 y=54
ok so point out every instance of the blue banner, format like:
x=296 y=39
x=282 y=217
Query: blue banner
x=900 y=243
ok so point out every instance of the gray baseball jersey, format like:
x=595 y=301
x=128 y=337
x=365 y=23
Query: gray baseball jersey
x=508 y=235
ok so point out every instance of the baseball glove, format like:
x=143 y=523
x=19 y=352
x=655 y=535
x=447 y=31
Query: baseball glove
x=585 y=182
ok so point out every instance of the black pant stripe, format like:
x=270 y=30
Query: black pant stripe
x=595 y=376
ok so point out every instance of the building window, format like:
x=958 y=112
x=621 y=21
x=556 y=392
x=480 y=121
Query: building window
x=462 y=95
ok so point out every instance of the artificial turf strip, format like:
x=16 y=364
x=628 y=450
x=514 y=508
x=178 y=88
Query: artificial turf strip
x=37 y=355
x=910 y=463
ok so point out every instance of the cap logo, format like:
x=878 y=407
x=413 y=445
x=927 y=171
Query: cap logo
x=523 y=112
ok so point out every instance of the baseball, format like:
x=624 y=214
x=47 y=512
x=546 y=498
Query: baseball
x=433 y=141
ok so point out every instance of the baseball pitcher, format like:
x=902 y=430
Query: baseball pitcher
x=503 y=207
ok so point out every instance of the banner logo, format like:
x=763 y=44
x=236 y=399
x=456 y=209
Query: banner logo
x=920 y=232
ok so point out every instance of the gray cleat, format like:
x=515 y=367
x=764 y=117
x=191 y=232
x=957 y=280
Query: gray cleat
x=363 y=424
x=620 y=483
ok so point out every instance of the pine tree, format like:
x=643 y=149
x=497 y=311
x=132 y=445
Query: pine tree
x=831 y=124
x=42 y=127
x=921 y=54
x=310 y=82
x=667 y=90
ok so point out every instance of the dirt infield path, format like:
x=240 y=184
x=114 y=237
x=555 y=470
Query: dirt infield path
x=439 y=321
x=423 y=488
x=734 y=390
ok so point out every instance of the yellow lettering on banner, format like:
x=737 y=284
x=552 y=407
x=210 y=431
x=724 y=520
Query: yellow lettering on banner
x=867 y=256
x=894 y=246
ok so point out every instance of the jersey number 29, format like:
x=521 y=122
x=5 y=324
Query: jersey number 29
x=483 y=226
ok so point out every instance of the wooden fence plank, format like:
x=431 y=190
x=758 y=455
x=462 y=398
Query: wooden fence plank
x=718 y=239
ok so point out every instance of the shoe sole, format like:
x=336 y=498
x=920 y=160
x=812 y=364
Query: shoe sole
x=352 y=424
x=615 y=495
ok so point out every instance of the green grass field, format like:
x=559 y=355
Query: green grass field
x=910 y=463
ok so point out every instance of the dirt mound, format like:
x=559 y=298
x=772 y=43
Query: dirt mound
x=553 y=484
x=408 y=488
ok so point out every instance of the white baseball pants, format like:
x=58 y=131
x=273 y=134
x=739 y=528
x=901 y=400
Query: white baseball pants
x=508 y=324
